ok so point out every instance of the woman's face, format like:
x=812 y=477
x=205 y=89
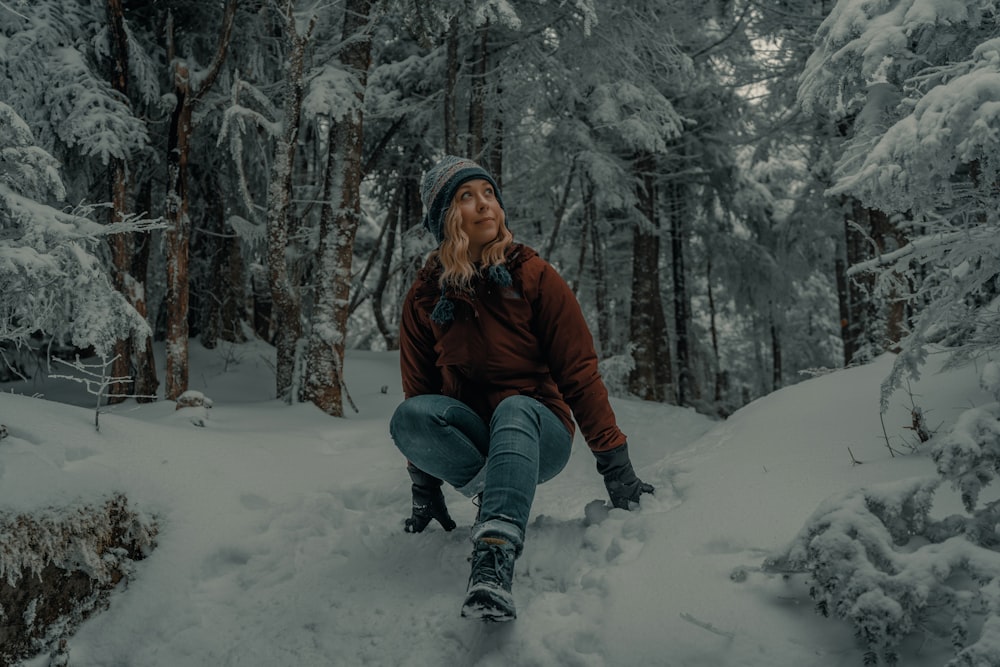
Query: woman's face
x=481 y=214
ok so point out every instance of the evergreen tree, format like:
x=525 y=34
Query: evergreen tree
x=921 y=87
x=51 y=280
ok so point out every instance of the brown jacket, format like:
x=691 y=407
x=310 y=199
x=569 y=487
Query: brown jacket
x=529 y=338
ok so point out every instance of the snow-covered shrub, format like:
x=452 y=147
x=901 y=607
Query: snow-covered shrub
x=851 y=550
x=57 y=567
x=875 y=557
x=969 y=457
x=615 y=371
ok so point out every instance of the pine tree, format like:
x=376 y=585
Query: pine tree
x=923 y=155
x=51 y=280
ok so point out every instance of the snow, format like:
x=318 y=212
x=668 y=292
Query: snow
x=281 y=538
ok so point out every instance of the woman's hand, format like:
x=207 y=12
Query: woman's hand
x=428 y=502
x=624 y=487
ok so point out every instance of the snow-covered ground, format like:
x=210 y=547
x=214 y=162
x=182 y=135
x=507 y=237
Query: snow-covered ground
x=281 y=538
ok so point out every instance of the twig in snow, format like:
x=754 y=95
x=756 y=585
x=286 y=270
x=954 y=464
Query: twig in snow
x=854 y=461
x=705 y=625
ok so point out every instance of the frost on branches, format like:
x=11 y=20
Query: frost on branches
x=51 y=279
x=919 y=82
x=877 y=559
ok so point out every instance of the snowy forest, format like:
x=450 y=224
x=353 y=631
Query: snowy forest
x=740 y=192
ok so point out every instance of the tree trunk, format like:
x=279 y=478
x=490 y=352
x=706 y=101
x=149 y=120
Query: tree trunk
x=477 y=105
x=676 y=196
x=451 y=81
x=233 y=311
x=859 y=312
x=410 y=218
x=650 y=378
x=600 y=277
x=286 y=310
x=714 y=331
x=224 y=303
x=324 y=382
x=118 y=180
x=560 y=211
x=872 y=326
x=776 y=370
x=178 y=233
x=145 y=382
x=581 y=258
x=390 y=335
x=212 y=247
x=889 y=237
x=177 y=239
x=844 y=305
x=495 y=146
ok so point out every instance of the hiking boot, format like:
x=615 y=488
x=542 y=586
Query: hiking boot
x=488 y=596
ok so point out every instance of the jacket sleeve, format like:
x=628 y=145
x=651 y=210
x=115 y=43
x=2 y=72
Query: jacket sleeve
x=417 y=357
x=569 y=348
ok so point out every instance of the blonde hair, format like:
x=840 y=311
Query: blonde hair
x=453 y=253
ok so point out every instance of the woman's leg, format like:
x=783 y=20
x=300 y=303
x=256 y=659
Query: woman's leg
x=443 y=437
x=524 y=445
x=528 y=445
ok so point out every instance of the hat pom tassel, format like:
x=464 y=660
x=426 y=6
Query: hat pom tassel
x=499 y=275
x=444 y=311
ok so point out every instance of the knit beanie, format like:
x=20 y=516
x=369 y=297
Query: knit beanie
x=439 y=185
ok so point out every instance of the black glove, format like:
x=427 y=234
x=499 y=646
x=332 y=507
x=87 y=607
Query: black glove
x=428 y=502
x=623 y=486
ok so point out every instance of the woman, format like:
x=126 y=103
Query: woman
x=496 y=361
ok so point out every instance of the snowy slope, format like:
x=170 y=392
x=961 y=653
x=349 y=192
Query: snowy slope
x=281 y=536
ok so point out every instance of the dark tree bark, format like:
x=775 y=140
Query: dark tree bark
x=872 y=326
x=844 y=304
x=323 y=384
x=178 y=232
x=495 y=145
x=677 y=198
x=145 y=382
x=714 y=331
x=777 y=381
x=389 y=334
x=650 y=379
x=560 y=211
x=224 y=305
x=451 y=81
x=581 y=258
x=600 y=276
x=118 y=180
x=477 y=105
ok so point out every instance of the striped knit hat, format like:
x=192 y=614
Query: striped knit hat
x=439 y=186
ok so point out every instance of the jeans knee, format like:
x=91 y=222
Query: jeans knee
x=398 y=417
x=514 y=407
x=408 y=413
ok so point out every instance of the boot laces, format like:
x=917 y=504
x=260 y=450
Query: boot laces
x=493 y=562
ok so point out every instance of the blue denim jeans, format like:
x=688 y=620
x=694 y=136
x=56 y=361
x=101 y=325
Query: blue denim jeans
x=524 y=445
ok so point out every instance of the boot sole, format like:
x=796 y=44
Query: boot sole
x=488 y=604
